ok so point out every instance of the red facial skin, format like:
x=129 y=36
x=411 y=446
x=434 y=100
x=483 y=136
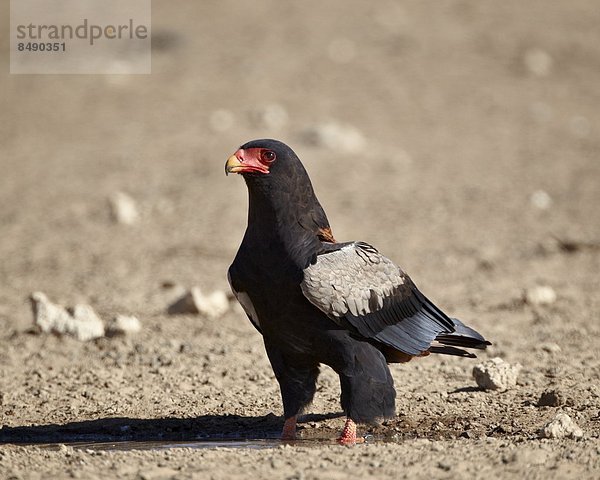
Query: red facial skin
x=255 y=160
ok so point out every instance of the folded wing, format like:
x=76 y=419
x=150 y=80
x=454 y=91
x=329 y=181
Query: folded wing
x=360 y=289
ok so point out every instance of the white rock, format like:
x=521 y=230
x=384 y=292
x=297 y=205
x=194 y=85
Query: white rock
x=540 y=199
x=335 y=136
x=48 y=316
x=123 y=325
x=86 y=325
x=124 y=209
x=540 y=295
x=83 y=323
x=562 y=426
x=538 y=61
x=496 y=374
x=213 y=305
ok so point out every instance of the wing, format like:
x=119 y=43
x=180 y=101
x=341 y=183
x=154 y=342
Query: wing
x=354 y=284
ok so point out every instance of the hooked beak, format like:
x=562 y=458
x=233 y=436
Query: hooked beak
x=233 y=165
x=246 y=162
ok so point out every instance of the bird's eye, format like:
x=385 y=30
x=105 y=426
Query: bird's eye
x=267 y=156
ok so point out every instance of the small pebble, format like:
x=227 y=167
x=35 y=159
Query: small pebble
x=496 y=374
x=541 y=200
x=540 y=295
x=87 y=324
x=123 y=209
x=213 y=305
x=123 y=325
x=549 y=398
x=82 y=322
x=562 y=426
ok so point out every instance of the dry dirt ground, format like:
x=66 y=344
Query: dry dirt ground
x=466 y=108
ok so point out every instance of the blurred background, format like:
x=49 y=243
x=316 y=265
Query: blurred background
x=450 y=134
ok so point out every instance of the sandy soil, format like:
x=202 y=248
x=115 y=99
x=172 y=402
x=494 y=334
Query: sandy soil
x=467 y=108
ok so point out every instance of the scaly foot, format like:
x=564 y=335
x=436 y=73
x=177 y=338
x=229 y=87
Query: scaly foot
x=289 y=429
x=348 y=436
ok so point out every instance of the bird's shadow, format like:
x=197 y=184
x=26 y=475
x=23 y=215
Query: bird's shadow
x=123 y=429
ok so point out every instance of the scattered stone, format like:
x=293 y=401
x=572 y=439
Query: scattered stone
x=540 y=295
x=90 y=325
x=82 y=322
x=335 y=136
x=123 y=325
x=538 y=62
x=221 y=120
x=562 y=426
x=550 y=398
x=270 y=117
x=66 y=450
x=213 y=305
x=124 y=209
x=47 y=315
x=540 y=199
x=496 y=374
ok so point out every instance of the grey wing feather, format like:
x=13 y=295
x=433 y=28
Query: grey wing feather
x=352 y=279
x=357 y=285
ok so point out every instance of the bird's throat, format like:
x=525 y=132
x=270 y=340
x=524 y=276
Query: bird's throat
x=275 y=227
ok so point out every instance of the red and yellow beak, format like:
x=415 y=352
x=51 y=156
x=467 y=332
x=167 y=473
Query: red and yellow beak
x=246 y=161
x=233 y=165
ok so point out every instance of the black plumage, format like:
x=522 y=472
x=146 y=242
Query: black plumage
x=317 y=301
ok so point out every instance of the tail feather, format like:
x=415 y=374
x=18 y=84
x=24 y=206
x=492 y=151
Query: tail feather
x=457 y=352
x=462 y=336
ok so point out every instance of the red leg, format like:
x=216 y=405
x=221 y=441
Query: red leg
x=348 y=436
x=289 y=428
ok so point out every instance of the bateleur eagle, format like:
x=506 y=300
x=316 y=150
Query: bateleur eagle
x=318 y=301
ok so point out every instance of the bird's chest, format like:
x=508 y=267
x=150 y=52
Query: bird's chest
x=267 y=285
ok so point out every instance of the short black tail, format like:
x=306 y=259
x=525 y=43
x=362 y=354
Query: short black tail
x=462 y=336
